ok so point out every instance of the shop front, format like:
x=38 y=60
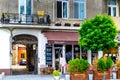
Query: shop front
x=65 y=43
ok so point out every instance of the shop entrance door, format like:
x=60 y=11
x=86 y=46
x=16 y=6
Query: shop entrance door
x=58 y=51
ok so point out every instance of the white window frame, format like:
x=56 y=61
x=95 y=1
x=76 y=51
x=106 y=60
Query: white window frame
x=67 y=9
x=79 y=2
x=65 y=1
x=22 y=17
x=111 y=8
x=24 y=4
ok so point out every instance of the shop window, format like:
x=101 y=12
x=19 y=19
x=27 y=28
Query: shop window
x=68 y=53
x=84 y=54
x=76 y=51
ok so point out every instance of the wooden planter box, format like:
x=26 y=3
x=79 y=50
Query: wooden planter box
x=118 y=74
x=99 y=75
x=79 y=76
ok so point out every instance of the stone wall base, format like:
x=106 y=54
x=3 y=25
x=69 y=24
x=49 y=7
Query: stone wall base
x=6 y=71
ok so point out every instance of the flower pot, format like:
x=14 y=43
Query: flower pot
x=79 y=76
x=99 y=75
x=76 y=25
x=118 y=74
x=67 y=24
x=58 y=24
x=56 y=77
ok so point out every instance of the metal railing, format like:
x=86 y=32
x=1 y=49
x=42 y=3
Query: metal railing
x=13 y=18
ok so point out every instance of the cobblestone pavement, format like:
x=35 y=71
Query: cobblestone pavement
x=30 y=77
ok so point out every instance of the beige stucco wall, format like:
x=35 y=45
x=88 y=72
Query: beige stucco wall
x=93 y=7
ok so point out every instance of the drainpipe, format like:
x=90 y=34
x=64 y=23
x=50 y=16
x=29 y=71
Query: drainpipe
x=89 y=55
x=11 y=40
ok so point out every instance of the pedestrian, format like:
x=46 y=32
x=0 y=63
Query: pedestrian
x=62 y=64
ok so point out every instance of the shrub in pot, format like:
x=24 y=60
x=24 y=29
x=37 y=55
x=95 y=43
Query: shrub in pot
x=78 y=69
x=56 y=74
x=76 y=24
x=103 y=66
x=57 y=24
x=67 y=24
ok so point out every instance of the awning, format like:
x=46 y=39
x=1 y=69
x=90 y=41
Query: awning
x=60 y=37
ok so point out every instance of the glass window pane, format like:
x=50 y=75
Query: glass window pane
x=76 y=51
x=79 y=0
x=28 y=7
x=64 y=9
x=112 y=2
x=114 y=11
x=109 y=11
x=76 y=10
x=59 y=9
x=22 y=8
x=81 y=11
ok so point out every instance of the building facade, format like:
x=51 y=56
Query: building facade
x=47 y=28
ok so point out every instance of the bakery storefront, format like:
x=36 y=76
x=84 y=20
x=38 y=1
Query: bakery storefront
x=61 y=42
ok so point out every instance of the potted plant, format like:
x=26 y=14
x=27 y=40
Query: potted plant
x=56 y=74
x=118 y=68
x=57 y=24
x=103 y=66
x=67 y=24
x=76 y=24
x=78 y=69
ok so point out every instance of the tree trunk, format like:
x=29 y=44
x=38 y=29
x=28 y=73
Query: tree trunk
x=89 y=56
x=104 y=76
x=100 y=54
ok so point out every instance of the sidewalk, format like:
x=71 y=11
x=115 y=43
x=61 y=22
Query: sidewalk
x=31 y=77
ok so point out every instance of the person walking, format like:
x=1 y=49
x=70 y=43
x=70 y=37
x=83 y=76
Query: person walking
x=62 y=64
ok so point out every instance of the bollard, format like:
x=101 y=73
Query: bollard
x=90 y=76
x=2 y=76
x=114 y=76
x=67 y=77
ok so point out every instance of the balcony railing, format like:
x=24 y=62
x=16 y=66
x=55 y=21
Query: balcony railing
x=12 y=18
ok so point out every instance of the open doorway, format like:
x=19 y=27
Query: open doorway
x=58 y=51
x=24 y=55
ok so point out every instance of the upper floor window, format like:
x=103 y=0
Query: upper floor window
x=79 y=9
x=62 y=8
x=112 y=7
x=25 y=7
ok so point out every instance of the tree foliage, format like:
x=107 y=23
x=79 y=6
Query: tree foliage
x=104 y=63
x=98 y=33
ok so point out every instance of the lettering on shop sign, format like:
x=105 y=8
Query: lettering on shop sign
x=48 y=54
x=59 y=42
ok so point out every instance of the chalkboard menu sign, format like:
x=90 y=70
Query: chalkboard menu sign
x=48 y=54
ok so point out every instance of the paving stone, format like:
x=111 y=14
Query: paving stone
x=29 y=77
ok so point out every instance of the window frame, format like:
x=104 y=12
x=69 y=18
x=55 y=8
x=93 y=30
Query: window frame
x=64 y=1
x=80 y=2
x=111 y=6
x=22 y=55
x=24 y=3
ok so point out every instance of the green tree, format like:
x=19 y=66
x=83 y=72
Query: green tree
x=98 y=33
